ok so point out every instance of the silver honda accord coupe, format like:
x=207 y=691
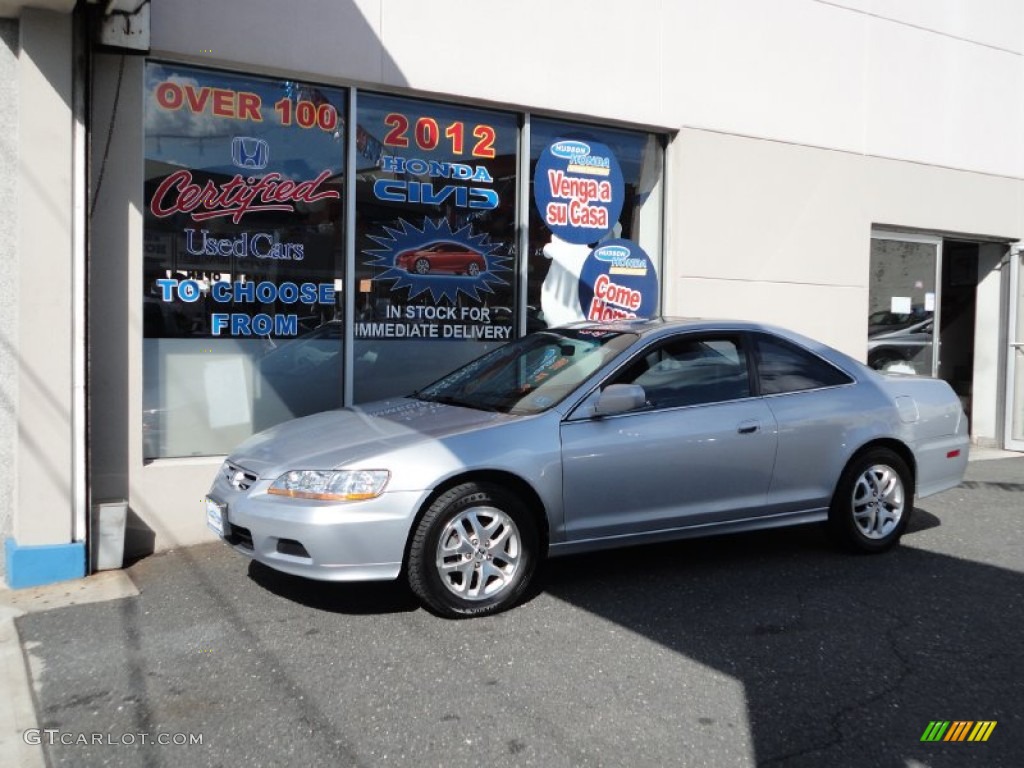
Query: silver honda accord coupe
x=586 y=437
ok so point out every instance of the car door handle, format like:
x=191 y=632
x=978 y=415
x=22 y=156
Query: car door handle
x=749 y=427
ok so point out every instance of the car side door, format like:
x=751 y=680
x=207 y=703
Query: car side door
x=817 y=408
x=701 y=450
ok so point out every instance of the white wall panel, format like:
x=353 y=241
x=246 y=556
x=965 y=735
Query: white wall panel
x=754 y=210
x=823 y=313
x=996 y=23
x=790 y=70
x=595 y=58
x=942 y=200
x=330 y=38
x=934 y=100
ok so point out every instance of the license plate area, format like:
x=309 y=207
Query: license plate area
x=217 y=517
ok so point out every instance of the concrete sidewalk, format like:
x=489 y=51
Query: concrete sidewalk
x=17 y=710
x=992 y=469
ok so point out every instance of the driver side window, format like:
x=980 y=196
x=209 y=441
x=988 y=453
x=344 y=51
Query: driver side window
x=690 y=370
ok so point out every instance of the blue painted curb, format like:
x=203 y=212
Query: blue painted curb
x=33 y=565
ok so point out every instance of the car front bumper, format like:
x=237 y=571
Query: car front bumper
x=327 y=541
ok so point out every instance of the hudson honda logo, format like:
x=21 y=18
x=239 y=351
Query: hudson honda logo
x=178 y=193
x=622 y=260
x=579 y=157
x=618 y=281
x=578 y=190
x=250 y=153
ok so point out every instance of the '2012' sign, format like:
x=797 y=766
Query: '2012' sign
x=427 y=134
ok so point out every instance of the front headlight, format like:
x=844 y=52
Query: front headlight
x=340 y=485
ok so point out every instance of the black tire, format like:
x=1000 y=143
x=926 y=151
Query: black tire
x=473 y=579
x=872 y=502
x=473 y=270
x=422 y=266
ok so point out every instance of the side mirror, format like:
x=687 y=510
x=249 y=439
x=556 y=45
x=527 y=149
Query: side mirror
x=619 y=398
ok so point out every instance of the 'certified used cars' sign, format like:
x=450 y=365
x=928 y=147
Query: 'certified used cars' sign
x=618 y=281
x=578 y=189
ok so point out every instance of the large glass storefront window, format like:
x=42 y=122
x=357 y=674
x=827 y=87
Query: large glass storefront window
x=246 y=245
x=435 y=233
x=244 y=255
x=595 y=223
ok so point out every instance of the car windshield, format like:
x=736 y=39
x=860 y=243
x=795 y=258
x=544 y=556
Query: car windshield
x=531 y=374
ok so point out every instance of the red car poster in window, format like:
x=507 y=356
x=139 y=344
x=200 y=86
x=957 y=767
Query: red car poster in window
x=435 y=212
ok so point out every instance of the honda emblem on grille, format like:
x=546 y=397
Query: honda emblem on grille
x=238 y=480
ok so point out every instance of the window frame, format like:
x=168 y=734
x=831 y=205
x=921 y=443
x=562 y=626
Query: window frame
x=739 y=338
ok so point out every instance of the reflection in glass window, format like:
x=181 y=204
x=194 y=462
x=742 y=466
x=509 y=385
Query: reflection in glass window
x=435 y=233
x=244 y=193
x=783 y=367
x=691 y=370
x=531 y=374
x=901 y=297
x=614 y=203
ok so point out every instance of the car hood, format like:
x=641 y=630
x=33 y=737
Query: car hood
x=349 y=435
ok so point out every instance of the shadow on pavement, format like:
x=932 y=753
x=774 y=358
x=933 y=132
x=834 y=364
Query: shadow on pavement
x=359 y=598
x=843 y=659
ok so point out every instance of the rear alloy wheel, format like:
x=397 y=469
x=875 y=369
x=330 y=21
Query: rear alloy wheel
x=422 y=266
x=473 y=552
x=872 y=502
x=474 y=270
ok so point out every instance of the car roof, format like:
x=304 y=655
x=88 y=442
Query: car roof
x=655 y=327
x=658 y=325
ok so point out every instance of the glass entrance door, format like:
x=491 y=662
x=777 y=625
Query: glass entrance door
x=902 y=303
x=1015 y=355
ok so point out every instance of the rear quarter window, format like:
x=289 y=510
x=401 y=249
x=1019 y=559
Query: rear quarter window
x=784 y=367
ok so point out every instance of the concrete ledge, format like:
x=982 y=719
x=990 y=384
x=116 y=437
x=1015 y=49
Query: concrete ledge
x=31 y=566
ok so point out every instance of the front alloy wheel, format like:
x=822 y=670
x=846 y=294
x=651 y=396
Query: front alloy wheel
x=872 y=502
x=422 y=266
x=473 y=552
x=478 y=553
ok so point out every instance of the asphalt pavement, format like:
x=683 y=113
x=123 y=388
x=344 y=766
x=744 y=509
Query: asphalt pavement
x=767 y=649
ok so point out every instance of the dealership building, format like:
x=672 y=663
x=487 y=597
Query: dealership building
x=222 y=215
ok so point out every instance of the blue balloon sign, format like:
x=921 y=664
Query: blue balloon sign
x=578 y=189
x=618 y=281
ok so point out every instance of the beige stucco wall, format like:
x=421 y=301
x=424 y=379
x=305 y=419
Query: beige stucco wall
x=9 y=108
x=44 y=252
x=781 y=233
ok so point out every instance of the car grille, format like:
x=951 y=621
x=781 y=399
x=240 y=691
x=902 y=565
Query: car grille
x=238 y=478
x=239 y=536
